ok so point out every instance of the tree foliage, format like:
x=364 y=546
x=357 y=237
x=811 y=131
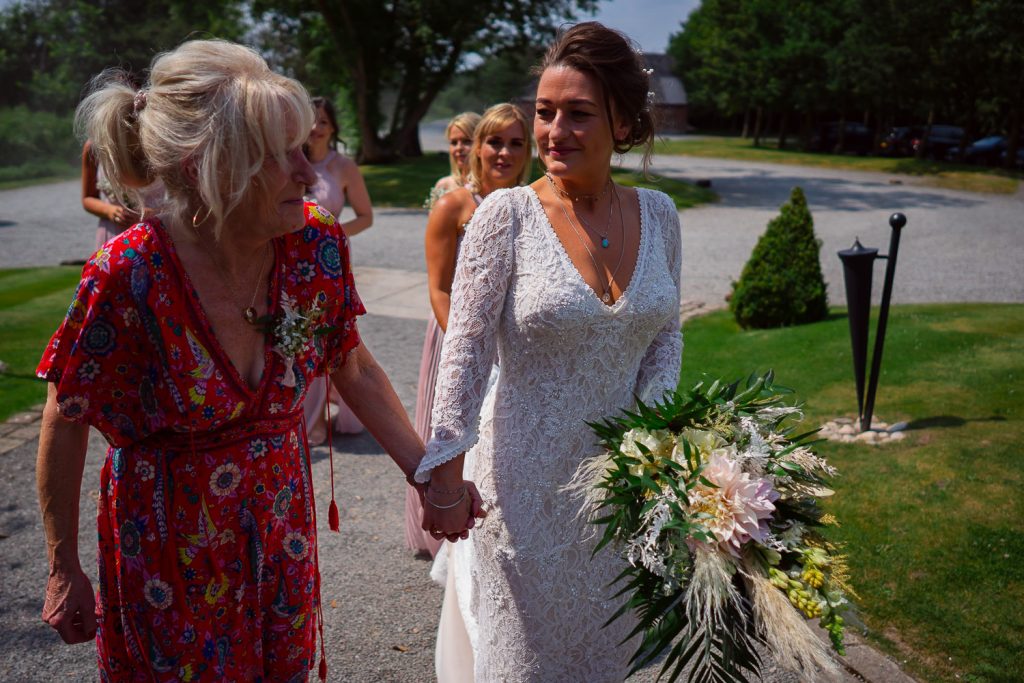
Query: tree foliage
x=391 y=59
x=50 y=49
x=782 y=283
x=885 y=62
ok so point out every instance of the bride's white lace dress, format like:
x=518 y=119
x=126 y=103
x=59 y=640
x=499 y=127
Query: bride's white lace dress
x=533 y=600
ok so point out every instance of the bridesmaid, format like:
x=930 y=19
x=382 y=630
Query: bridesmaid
x=459 y=134
x=99 y=199
x=499 y=158
x=337 y=180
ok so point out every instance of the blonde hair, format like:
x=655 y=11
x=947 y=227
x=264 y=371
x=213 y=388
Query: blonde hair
x=467 y=122
x=497 y=118
x=210 y=106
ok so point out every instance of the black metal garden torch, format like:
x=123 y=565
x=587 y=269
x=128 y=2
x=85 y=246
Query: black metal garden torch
x=858 y=265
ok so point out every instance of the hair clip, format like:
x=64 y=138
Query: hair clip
x=139 y=103
x=648 y=71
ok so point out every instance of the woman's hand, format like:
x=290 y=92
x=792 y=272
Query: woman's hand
x=451 y=511
x=122 y=216
x=70 y=605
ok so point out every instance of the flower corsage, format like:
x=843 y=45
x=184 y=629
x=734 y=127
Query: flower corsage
x=294 y=330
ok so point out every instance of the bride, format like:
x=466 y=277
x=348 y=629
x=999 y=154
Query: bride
x=572 y=284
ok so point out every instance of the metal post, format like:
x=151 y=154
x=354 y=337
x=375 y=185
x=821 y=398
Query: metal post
x=858 y=264
x=896 y=222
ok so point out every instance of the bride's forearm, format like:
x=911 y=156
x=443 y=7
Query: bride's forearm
x=448 y=474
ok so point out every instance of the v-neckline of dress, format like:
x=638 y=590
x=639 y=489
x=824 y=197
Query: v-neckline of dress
x=567 y=260
x=214 y=342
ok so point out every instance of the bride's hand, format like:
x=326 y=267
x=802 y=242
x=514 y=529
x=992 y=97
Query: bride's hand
x=452 y=510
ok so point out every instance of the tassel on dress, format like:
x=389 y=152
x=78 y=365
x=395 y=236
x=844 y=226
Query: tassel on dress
x=332 y=511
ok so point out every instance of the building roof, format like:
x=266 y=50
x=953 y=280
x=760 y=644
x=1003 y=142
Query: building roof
x=668 y=89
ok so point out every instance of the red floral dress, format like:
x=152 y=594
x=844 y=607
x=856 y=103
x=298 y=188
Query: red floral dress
x=207 y=536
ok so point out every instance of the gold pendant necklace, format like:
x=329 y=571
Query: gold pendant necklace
x=249 y=313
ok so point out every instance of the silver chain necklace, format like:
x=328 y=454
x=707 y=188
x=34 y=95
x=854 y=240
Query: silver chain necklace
x=605 y=242
x=606 y=296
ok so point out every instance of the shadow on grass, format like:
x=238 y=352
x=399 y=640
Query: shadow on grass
x=950 y=421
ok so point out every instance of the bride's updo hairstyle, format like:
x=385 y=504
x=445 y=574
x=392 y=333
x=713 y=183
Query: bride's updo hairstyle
x=616 y=63
x=210 y=114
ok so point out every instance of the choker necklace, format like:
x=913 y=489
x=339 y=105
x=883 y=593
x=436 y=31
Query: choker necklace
x=249 y=313
x=579 y=197
x=605 y=242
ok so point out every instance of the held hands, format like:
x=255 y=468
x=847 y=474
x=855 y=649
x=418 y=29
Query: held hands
x=70 y=605
x=451 y=510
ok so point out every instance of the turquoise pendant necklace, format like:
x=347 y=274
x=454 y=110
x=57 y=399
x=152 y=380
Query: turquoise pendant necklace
x=604 y=242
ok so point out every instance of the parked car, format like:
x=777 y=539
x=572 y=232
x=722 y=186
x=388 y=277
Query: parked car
x=1018 y=162
x=899 y=141
x=939 y=140
x=857 y=137
x=988 y=151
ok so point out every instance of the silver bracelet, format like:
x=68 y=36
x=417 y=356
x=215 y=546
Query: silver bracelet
x=446 y=507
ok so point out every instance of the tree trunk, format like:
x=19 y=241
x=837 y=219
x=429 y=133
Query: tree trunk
x=757 y=126
x=1014 y=143
x=919 y=152
x=782 y=129
x=840 y=135
x=746 y=124
x=806 y=130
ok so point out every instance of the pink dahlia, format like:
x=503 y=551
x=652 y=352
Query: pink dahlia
x=739 y=508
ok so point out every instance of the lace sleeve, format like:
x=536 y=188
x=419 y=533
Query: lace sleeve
x=470 y=344
x=659 y=369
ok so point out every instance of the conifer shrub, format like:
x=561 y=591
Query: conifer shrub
x=782 y=284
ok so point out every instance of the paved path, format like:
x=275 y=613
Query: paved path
x=381 y=608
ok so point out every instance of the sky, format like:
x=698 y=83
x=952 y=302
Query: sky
x=648 y=22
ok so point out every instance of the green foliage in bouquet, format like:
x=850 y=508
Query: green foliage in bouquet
x=712 y=500
x=782 y=284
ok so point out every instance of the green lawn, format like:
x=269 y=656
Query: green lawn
x=33 y=302
x=935 y=173
x=934 y=525
x=37 y=173
x=407 y=183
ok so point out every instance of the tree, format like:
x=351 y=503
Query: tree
x=782 y=283
x=51 y=48
x=905 y=61
x=499 y=78
x=403 y=53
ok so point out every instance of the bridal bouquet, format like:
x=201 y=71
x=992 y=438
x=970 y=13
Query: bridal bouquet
x=713 y=501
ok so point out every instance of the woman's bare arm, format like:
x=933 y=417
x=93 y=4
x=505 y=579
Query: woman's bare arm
x=69 y=606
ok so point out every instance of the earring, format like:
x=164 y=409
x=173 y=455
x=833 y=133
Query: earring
x=195 y=217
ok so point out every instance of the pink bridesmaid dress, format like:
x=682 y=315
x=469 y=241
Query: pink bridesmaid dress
x=330 y=196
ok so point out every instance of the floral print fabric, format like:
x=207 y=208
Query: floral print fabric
x=206 y=524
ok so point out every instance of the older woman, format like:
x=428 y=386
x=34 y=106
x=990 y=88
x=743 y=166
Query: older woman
x=337 y=179
x=189 y=345
x=573 y=283
x=498 y=157
x=459 y=134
